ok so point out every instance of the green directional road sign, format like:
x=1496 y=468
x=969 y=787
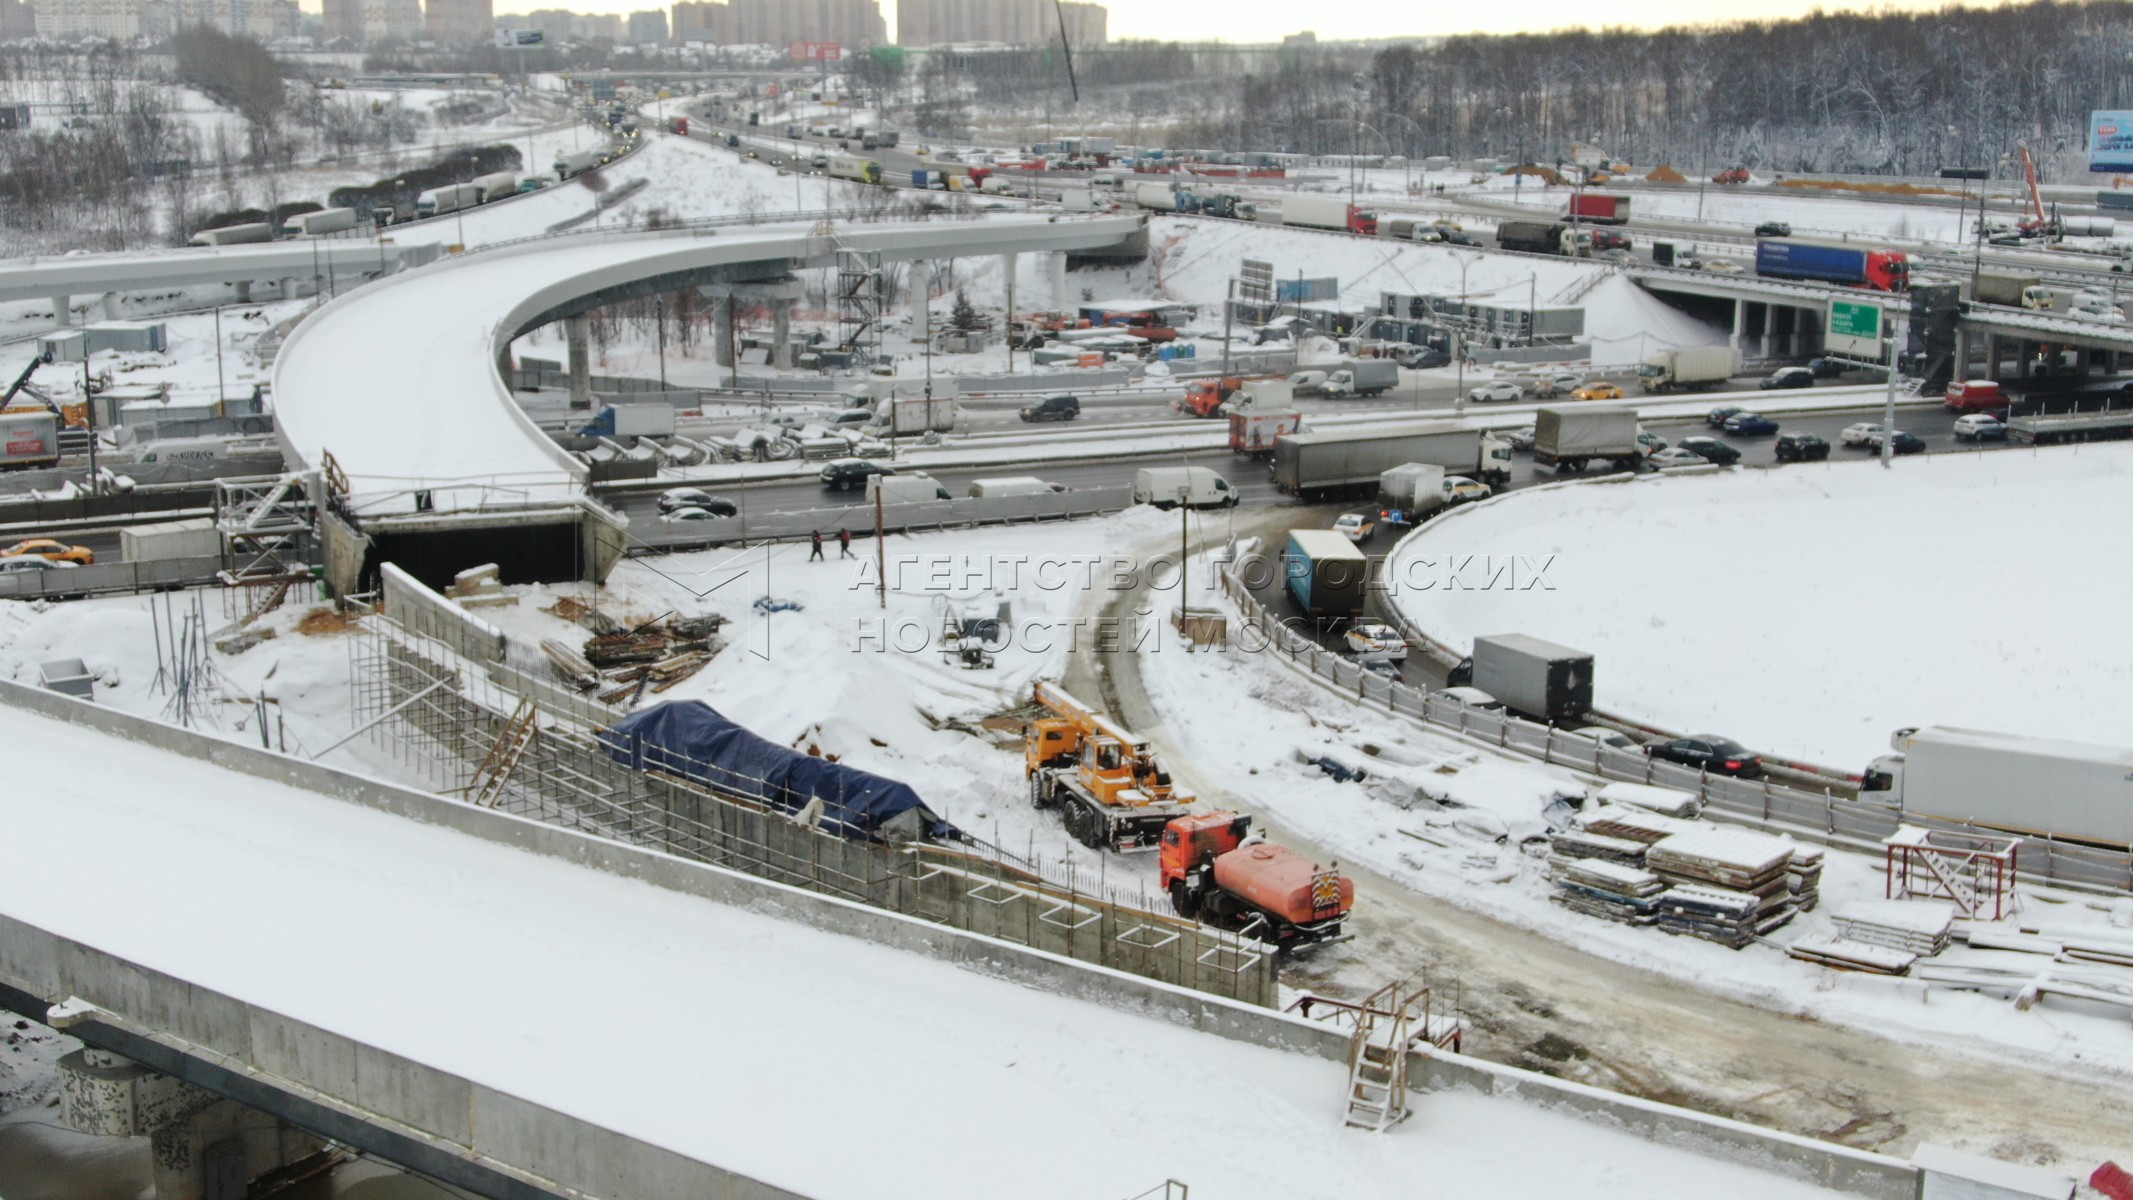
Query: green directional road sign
x=1854 y=329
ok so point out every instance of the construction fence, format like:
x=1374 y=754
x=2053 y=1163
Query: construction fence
x=1825 y=817
x=505 y=738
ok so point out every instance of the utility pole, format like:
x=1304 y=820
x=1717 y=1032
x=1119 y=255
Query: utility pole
x=220 y=395
x=659 y=308
x=881 y=555
x=1897 y=334
x=88 y=408
x=1229 y=316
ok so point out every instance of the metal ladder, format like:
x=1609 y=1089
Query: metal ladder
x=503 y=757
x=1377 y=1061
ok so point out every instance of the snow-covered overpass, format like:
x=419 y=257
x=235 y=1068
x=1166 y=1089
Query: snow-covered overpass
x=524 y=1010
x=62 y=277
x=397 y=383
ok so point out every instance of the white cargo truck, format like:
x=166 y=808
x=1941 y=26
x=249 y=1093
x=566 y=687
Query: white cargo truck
x=496 y=186
x=1363 y=377
x=1195 y=487
x=905 y=489
x=1157 y=196
x=903 y=416
x=1262 y=395
x=196 y=538
x=1010 y=485
x=2024 y=785
x=315 y=224
x=1413 y=490
x=449 y=199
x=1689 y=366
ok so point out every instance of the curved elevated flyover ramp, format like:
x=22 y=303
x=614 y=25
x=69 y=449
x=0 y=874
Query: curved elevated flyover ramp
x=397 y=383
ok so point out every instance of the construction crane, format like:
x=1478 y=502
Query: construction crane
x=1112 y=790
x=2037 y=224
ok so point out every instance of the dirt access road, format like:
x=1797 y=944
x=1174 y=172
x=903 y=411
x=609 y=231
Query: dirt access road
x=1542 y=1004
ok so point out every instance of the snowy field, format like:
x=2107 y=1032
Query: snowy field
x=1013 y=1083
x=1810 y=611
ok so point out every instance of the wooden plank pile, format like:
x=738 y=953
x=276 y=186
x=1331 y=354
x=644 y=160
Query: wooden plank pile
x=1804 y=877
x=1714 y=914
x=622 y=665
x=1921 y=927
x=1636 y=825
x=1613 y=891
x=1848 y=955
x=1737 y=862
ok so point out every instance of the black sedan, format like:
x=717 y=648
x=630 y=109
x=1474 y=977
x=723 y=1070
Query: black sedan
x=844 y=474
x=676 y=499
x=1750 y=424
x=1710 y=752
x=1801 y=447
x=1718 y=417
x=1905 y=443
x=1773 y=229
x=1711 y=450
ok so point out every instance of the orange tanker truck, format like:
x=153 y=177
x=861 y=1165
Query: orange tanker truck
x=1216 y=875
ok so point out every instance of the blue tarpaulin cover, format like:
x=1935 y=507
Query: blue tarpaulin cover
x=691 y=739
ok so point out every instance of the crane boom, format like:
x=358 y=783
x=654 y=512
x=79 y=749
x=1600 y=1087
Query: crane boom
x=1060 y=702
x=23 y=378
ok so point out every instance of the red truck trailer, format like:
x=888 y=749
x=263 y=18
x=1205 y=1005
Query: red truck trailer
x=1596 y=209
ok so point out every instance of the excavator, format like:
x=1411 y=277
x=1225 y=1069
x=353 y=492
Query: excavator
x=74 y=415
x=1111 y=788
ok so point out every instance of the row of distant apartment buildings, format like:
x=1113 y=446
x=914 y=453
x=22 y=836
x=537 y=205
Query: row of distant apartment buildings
x=852 y=24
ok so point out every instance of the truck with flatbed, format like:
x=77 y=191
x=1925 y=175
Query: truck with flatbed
x=1536 y=678
x=1545 y=237
x=1324 y=573
x=1687 y=367
x=2042 y=429
x=1220 y=873
x=1568 y=438
x=1111 y=789
x=1321 y=464
x=2023 y=785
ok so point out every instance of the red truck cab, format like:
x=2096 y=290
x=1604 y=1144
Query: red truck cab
x=1362 y=221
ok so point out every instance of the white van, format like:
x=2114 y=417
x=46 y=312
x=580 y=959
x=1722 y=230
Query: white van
x=186 y=450
x=1166 y=487
x=905 y=489
x=1012 y=485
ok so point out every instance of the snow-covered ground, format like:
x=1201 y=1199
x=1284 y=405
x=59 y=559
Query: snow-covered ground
x=842 y=674
x=1810 y=611
x=1056 y=1094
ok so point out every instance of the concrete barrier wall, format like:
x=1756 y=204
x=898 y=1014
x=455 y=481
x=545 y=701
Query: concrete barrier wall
x=1852 y=1171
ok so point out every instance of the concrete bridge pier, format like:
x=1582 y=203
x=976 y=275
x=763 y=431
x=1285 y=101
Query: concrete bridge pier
x=111 y=306
x=200 y=1147
x=781 y=355
x=289 y=284
x=778 y=294
x=244 y=291
x=577 y=342
x=1056 y=266
x=62 y=311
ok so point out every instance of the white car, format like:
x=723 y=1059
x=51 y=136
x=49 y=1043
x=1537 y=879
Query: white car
x=32 y=562
x=1979 y=427
x=1606 y=737
x=1356 y=527
x=1522 y=437
x=1458 y=489
x=1472 y=697
x=1502 y=389
x=1861 y=434
x=2103 y=313
x=1378 y=640
x=681 y=515
x=1723 y=266
x=1675 y=456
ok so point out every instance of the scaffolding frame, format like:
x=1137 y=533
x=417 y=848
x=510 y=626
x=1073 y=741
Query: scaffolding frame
x=1973 y=871
x=451 y=723
x=859 y=305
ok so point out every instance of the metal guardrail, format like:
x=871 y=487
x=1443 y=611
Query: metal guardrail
x=1759 y=803
x=64 y=582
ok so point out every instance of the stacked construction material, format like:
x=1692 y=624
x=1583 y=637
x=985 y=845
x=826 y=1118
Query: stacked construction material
x=1574 y=843
x=1849 y=955
x=1736 y=862
x=1919 y=927
x=1611 y=890
x=1719 y=915
x=2030 y=960
x=1804 y=877
x=1637 y=825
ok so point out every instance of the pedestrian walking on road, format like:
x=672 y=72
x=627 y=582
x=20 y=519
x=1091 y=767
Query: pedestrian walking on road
x=816 y=536
x=844 y=543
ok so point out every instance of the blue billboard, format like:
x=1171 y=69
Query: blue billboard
x=2111 y=141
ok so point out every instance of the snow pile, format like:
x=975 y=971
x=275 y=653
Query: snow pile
x=1811 y=611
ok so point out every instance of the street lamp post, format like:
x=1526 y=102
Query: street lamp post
x=1466 y=261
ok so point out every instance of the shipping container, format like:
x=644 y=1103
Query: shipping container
x=1539 y=679
x=1324 y=573
x=195 y=538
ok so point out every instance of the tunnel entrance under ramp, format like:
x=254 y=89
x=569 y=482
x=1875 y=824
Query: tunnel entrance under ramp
x=556 y=544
